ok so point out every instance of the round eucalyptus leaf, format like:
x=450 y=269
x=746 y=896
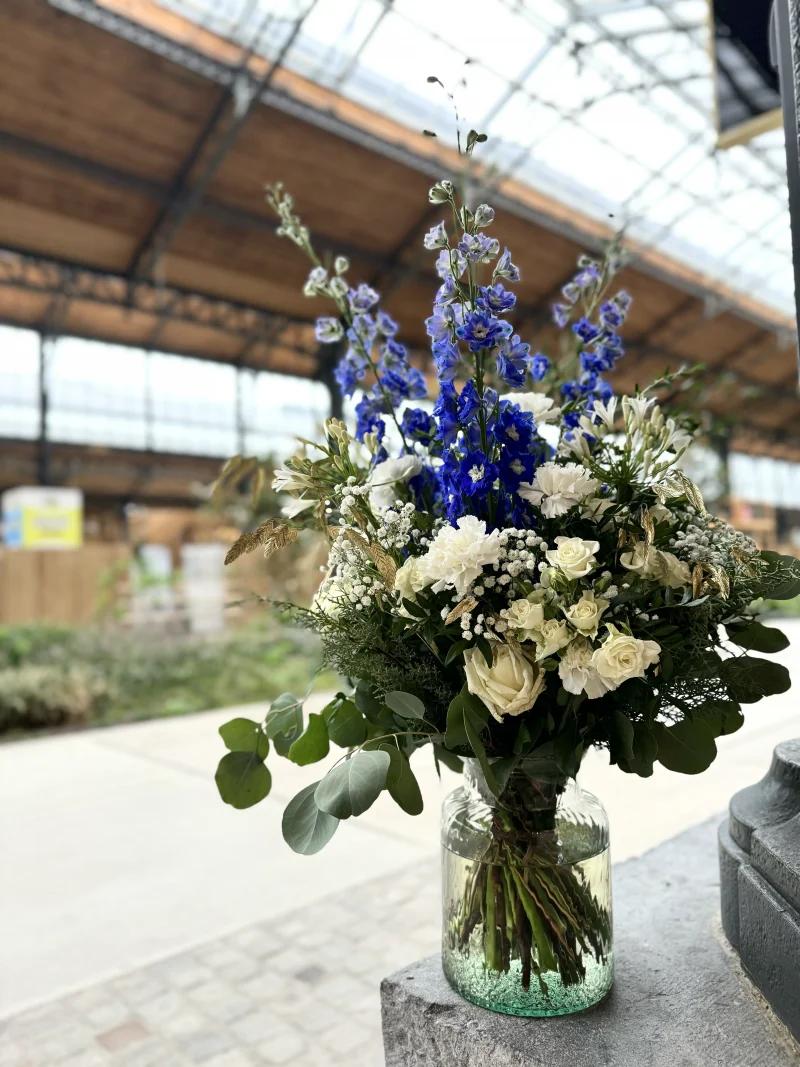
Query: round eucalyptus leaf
x=401 y=782
x=313 y=745
x=687 y=747
x=405 y=705
x=306 y=829
x=354 y=785
x=242 y=779
x=244 y=735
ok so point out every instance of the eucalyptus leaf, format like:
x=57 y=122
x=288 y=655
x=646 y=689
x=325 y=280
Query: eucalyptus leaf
x=405 y=705
x=645 y=752
x=780 y=579
x=723 y=716
x=401 y=782
x=687 y=747
x=455 y=734
x=472 y=727
x=620 y=734
x=313 y=745
x=306 y=829
x=244 y=735
x=346 y=725
x=455 y=651
x=758 y=638
x=284 y=717
x=449 y=759
x=750 y=678
x=353 y=786
x=242 y=779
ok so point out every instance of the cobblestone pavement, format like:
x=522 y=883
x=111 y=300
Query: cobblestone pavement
x=300 y=990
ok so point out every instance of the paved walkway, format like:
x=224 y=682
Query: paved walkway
x=143 y=923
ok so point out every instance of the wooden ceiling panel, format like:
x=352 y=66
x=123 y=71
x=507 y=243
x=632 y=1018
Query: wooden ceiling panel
x=72 y=85
x=22 y=308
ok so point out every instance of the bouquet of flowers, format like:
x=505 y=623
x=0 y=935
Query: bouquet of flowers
x=517 y=572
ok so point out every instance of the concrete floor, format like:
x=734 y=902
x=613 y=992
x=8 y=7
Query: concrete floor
x=116 y=850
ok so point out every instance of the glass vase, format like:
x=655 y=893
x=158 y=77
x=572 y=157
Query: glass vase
x=526 y=893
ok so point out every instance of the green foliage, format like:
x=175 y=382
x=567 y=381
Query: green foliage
x=353 y=786
x=405 y=705
x=43 y=695
x=306 y=828
x=757 y=638
x=242 y=779
x=401 y=781
x=687 y=746
x=750 y=678
x=779 y=578
x=346 y=725
x=313 y=745
x=244 y=735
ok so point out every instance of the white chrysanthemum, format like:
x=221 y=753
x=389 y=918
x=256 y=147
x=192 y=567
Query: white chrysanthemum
x=457 y=556
x=384 y=475
x=558 y=487
x=540 y=405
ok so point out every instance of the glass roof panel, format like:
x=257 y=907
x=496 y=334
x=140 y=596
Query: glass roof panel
x=607 y=105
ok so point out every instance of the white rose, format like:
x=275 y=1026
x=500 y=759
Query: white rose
x=409 y=579
x=641 y=559
x=673 y=571
x=523 y=616
x=574 y=557
x=384 y=475
x=509 y=687
x=557 y=487
x=457 y=556
x=540 y=405
x=658 y=513
x=577 y=673
x=621 y=657
x=332 y=596
x=596 y=507
x=585 y=614
x=551 y=636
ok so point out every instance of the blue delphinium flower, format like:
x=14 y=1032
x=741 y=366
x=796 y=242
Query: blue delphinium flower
x=561 y=315
x=418 y=425
x=586 y=330
x=440 y=325
x=504 y=268
x=328 y=330
x=469 y=403
x=406 y=383
x=478 y=247
x=611 y=314
x=386 y=324
x=476 y=475
x=512 y=361
x=350 y=370
x=393 y=355
x=446 y=357
x=362 y=332
x=362 y=298
x=447 y=291
x=496 y=298
x=540 y=365
x=481 y=329
x=516 y=467
x=450 y=262
x=514 y=427
x=436 y=237
x=368 y=418
x=445 y=411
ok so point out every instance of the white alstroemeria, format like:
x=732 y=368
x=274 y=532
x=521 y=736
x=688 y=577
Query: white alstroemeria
x=574 y=557
x=558 y=487
x=606 y=412
x=675 y=438
x=575 y=444
x=538 y=404
x=297 y=505
x=635 y=409
x=621 y=657
x=577 y=673
x=585 y=614
x=457 y=555
x=289 y=481
x=383 y=477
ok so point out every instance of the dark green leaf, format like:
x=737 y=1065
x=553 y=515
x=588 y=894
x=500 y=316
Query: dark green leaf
x=666 y=664
x=455 y=734
x=306 y=829
x=527 y=736
x=285 y=716
x=401 y=781
x=405 y=705
x=244 y=735
x=429 y=133
x=433 y=78
x=780 y=579
x=414 y=609
x=758 y=638
x=486 y=650
x=313 y=745
x=686 y=747
x=645 y=752
x=620 y=734
x=456 y=651
x=723 y=716
x=373 y=710
x=472 y=727
x=502 y=770
x=346 y=726
x=749 y=678
x=449 y=759
x=353 y=785
x=242 y=779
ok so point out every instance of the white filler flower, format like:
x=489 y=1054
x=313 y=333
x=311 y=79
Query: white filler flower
x=573 y=556
x=384 y=475
x=509 y=687
x=558 y=487
x=457 y=557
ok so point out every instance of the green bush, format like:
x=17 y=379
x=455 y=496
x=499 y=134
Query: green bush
x=53 y=675
x=38 y=695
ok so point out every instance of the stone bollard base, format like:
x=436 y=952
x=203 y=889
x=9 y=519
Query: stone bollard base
x=680 y=998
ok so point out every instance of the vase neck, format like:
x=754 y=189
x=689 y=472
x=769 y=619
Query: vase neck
x=532 y=784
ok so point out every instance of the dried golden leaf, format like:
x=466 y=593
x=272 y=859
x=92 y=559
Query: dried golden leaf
x=697 y=580
x=283 y=536
x=693 y=494
x=356 y=539
x=386 y=566
x=622 y=537
x=229 y=466
x=649 y=528
x=720 y=578
x=467 y=604
x=513 y=644
x=661 y=492
x=258 y=486
x=249 y=540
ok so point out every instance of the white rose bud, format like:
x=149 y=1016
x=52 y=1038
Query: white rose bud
x=409 y=580
x=551 y=636
x=585 y=615
x=642 y=560
x=673 y=571
x=510 y=686
x=524 y=616
x=573 y=556
x=621 y=657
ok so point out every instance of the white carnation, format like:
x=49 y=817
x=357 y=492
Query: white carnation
x=558 y=487
x=577 y=673
x=457 y=556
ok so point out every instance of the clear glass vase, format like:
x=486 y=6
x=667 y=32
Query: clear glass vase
x=526 y=893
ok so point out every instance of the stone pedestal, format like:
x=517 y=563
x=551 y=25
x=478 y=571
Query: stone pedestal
x=759 y=850
x=680 y=997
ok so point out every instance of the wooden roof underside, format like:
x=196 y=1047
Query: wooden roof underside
x=105 y=144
